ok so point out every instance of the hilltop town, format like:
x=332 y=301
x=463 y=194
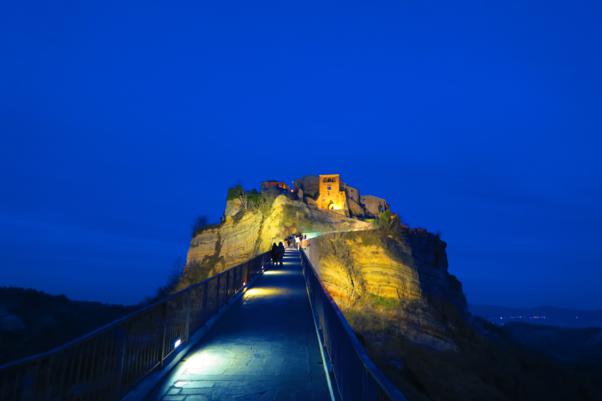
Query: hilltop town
x=253 y=220
x=390 y=281
x=329 y=192
x=378 y=269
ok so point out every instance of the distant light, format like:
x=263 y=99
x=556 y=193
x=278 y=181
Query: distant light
x=177 y=343
x=244 y=283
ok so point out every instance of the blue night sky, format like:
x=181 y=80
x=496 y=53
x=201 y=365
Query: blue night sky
x=119 y=123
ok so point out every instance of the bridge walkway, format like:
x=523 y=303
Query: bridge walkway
x=263 y=348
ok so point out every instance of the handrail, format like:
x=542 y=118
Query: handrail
x=356 y=376
x=107 y=362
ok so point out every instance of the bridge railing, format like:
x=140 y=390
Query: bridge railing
x=356 y=377
x=107 y=363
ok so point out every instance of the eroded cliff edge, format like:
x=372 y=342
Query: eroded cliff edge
x=391 y=283
x=386 y=277
x=246 y=232
x=393 y=286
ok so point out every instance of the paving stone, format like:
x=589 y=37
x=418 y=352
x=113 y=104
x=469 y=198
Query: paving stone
x=197 y=398
x=195 y=391
x=264 y=348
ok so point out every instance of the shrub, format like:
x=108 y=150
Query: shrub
x=235 y=192
x=384 y=221
x=251 y=199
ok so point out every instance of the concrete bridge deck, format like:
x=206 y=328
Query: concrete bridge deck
x=263 y=348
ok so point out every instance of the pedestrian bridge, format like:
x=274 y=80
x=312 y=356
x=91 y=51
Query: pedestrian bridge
x=253 y=332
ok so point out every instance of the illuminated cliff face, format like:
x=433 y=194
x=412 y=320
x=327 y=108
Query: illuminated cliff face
x=390 y=284
x=330 y=196
x=244 y=234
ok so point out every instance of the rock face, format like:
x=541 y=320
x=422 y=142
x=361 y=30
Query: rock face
x=353 y=201
x=233 y=206
x=310 y=185
x=233 y=242
x=393 y=286
x=252 y=232
x=352 y=193
x=379 y=279
x=389 y=281
x=355 y=209
x=395 y=279
x=374 y=205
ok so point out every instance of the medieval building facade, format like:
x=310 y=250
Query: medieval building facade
x=330 y=196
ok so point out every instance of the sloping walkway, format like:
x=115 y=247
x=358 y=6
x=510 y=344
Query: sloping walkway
x=263 y=348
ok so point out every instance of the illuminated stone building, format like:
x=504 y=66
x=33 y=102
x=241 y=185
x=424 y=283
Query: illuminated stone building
x=330 y=196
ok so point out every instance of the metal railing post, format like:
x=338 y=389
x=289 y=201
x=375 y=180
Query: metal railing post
x=356 y=376
x=29 y=384
x=187 y=301
x=120 y=353
x=164 y=333
x=204 y=305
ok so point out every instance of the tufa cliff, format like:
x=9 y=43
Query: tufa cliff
x=393 y=286
x=384 y=275
x=252 y=221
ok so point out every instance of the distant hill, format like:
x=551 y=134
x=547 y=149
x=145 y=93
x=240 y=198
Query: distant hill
x=32 y=321
x=574 y=345
x=546 y=315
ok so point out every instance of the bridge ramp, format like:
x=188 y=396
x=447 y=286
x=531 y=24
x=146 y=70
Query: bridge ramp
x=263 y=348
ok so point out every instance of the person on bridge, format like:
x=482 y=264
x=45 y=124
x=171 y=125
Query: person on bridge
x=280 y=252
x=274 y=254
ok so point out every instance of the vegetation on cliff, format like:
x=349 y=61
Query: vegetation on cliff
x=393 y=286
x=251 y=223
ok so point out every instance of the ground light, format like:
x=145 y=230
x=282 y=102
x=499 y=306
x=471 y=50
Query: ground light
x=177 y=343
x=263 y=292
x=276 y=273
x=212 y=360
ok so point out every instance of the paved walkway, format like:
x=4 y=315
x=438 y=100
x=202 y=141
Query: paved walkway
x=263 y=348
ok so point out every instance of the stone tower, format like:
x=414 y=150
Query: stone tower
x=330 y=195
